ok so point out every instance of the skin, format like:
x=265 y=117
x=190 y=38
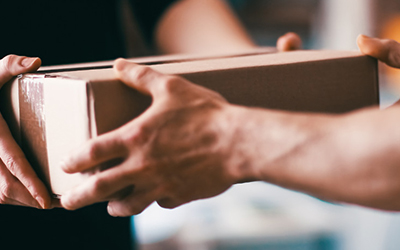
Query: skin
x=191 y=144
x=19 y=185
x=211 y=24
x=208 y=26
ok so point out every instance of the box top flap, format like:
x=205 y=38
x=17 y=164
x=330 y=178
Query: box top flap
x=154 y=60
x=93 y=75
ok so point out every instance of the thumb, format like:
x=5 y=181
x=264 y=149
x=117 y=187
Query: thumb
x=141 y=78
x=385 y=50
x=13 y=65
x=289 y=41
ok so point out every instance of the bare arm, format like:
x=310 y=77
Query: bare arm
x=201 y=26
x=192 y=26
x=352 y=158
x=192 y=144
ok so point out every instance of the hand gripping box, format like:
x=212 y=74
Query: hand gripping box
x=57 y=109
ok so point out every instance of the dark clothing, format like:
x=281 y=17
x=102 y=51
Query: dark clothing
x=61 y=32
x=87 y=228
x=70 y=31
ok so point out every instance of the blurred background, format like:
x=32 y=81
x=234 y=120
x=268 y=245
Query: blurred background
x=262 y=216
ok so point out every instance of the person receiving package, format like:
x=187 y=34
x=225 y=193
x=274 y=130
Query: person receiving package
x=192 y=144
x=64 y=32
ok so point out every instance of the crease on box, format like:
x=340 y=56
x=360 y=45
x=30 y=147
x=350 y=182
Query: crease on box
x=33 y=122
x=91 y=111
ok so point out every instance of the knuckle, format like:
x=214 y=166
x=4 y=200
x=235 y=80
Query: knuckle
x=94 y=151
x=390 y=42
x=7 y=63
x=140 y=72
x=3 y=199
x=99 y=187
x=136 y=135
x=167 y=203
x=170 y=84
x=135 y=209
x=132 y=135
x=13 y=164
x=218 y=96
x=172 y=197
x=67 y=204
x=394 y=58
x=163 y=204
x=5 y=192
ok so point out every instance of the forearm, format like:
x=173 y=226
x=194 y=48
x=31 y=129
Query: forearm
x=192 y=26
x=351 y=158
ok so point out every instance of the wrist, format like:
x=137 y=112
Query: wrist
x=274 y=146
x=240 y=150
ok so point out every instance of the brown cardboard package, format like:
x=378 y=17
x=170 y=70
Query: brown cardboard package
x=59 y=108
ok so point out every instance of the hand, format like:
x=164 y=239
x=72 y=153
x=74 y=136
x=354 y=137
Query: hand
x=385 y=50
x=171 y=154
x=190 y=144
x=289 y=41
x=19 y=184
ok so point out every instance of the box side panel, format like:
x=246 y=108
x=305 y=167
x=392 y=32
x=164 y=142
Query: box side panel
x=334 y=86
x=116 y=104
x=67 y=127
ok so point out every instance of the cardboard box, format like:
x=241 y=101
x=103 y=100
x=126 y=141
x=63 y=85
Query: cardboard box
x=59 y=108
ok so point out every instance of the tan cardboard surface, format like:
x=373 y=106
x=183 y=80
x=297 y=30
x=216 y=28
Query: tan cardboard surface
x=81 y=104
x=162 y=59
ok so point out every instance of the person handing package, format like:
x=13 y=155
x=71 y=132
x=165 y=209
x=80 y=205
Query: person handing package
x=19 y=183
x=192 y=144
x=81 y=31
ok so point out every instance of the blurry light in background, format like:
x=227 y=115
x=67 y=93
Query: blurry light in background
x=391 y=30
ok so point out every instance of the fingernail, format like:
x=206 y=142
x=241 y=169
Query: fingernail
x=28 y=61
x=41 y=202
x=110 y=210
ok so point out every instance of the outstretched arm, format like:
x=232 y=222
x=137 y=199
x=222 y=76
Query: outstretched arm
x=192 y=144
x=192 y=26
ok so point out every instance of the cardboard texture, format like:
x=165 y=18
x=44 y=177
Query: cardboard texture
x=59 y=108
